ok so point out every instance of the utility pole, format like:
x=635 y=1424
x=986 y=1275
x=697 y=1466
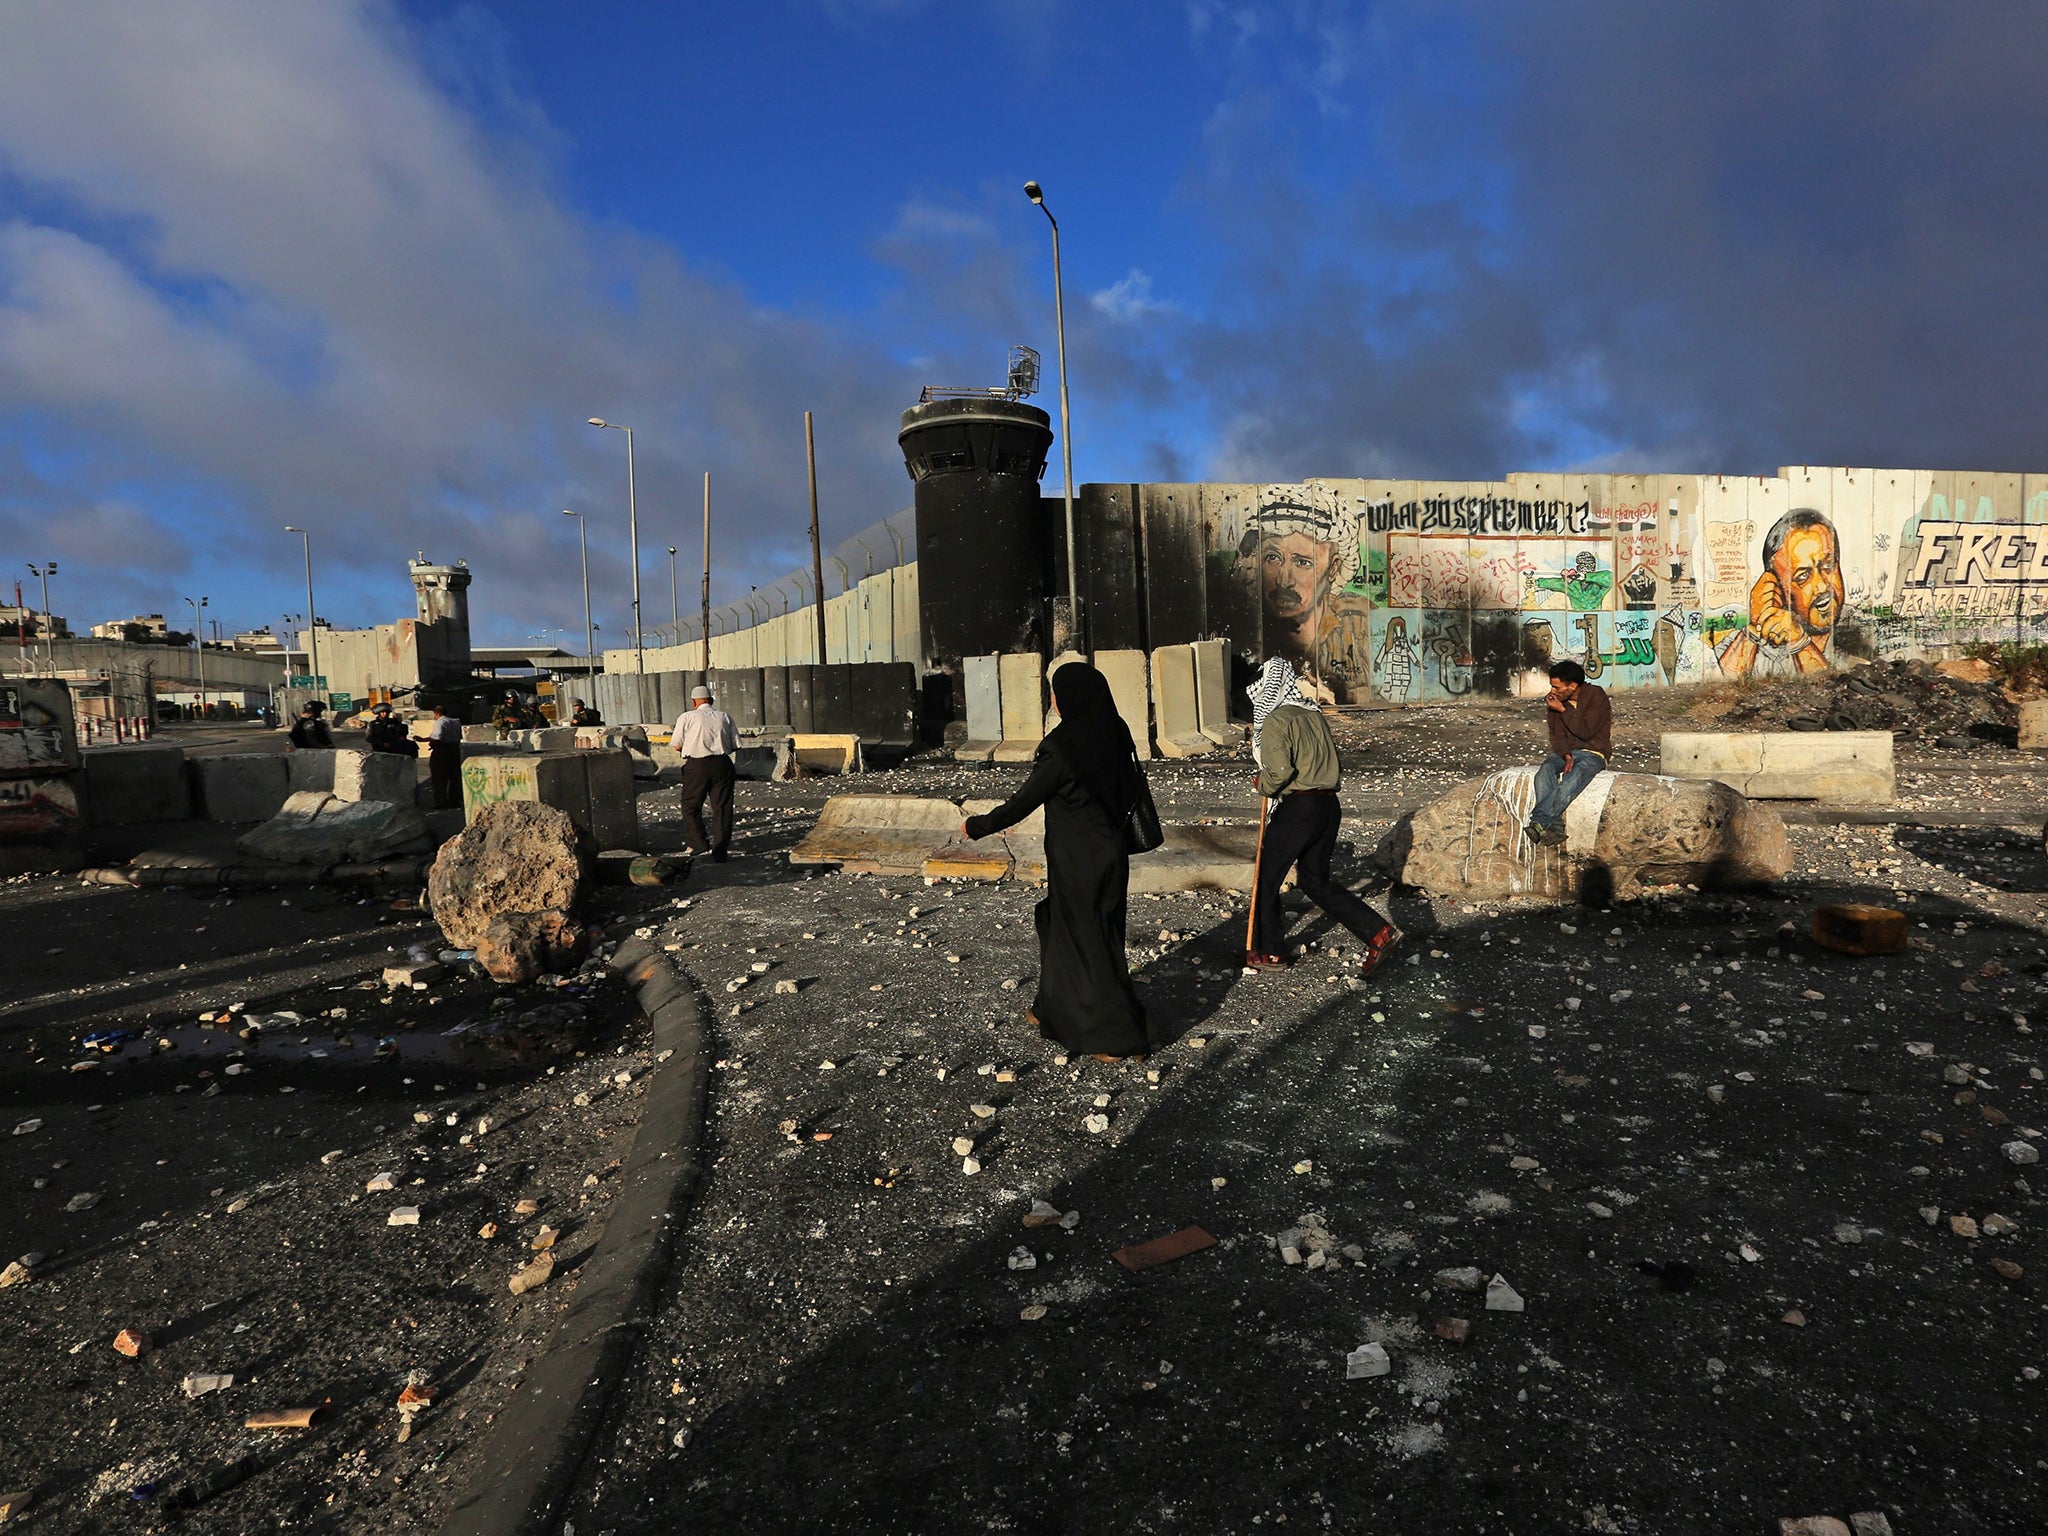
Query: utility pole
x=707 y=572
x=817 y=564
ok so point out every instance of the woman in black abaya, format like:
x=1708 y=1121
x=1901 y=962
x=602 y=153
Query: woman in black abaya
x=1086 y=777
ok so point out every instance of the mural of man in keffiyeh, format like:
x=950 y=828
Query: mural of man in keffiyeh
x=1300 y=551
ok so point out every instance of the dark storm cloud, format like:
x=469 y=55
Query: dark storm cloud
x=1713 y=237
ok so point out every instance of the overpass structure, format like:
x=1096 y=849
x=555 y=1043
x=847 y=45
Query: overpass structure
x=144 y=669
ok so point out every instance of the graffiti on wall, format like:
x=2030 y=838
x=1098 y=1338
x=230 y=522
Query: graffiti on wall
x=1416 y=591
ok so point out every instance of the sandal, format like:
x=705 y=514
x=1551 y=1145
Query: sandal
x=1376 y=951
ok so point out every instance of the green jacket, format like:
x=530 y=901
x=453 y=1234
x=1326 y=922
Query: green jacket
x=1296 y=752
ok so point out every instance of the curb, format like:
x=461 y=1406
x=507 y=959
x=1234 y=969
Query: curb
x=537 y=1445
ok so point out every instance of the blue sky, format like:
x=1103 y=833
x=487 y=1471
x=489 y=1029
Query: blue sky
x=368 y=266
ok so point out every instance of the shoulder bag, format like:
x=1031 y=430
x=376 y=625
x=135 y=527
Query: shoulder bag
x=1142 y=831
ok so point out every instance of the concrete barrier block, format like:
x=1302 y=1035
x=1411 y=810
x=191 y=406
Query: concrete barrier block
x=388 y=776
x=553 y=738
x=2033 y=724
x=126 y=786
x=1130 y=686
x=1848 y=767
x=613 y=798
x=1730 y=756
x=805 y=754
x=1212 y=693
x=239 y=786
x=1022 y=678
x=1176 y=719
x=981 y=679
x=480 y=733
x=311 y=768
x=558 y=779
x=878 y=834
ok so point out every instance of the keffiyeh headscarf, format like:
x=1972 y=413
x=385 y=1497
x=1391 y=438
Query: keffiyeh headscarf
x=1276 y=686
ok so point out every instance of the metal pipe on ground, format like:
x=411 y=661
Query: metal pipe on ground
x=407 y=873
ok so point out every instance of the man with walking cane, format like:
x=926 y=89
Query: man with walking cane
x=1298 y=775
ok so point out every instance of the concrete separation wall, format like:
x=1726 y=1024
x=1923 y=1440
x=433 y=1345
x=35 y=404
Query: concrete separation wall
x=982 y=678
x=1177 y=722
x=1845 y=767
x=537 y=1443
x=1023 y=691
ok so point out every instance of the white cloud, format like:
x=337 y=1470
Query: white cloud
x=1129 y=298
x=287 y=266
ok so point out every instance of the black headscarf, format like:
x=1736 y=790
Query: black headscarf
x=1093 y=738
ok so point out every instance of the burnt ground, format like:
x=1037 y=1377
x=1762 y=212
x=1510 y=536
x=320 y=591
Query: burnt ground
x=220 y=1229
x=1553 y=1095
x=843 y=1353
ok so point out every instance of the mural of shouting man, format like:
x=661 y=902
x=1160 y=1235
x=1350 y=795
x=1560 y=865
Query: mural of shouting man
x=1795 y=604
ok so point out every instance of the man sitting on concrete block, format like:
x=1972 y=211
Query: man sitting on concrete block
x=1581 y=742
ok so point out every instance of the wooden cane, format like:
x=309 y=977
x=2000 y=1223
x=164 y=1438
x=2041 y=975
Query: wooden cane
x=1258 y=858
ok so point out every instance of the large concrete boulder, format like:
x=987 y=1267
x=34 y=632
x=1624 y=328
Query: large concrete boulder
x=1627 y=830
x=516 y=856
x=316 y=828
x=520 y=946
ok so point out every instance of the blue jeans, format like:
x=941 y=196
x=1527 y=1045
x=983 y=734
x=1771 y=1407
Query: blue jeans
x=1556 y=789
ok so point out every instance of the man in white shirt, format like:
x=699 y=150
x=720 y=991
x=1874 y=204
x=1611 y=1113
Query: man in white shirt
x=706 y=739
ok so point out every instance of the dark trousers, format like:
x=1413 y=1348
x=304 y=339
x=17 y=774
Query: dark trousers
x=444 y=771
x=707 y=787
x=1301 y=834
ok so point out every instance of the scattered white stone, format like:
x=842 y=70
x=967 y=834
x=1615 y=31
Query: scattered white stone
x=982 y=1111
x=199 y=1383
x=1095 y=1125
x=382 y=1183
x=28 y=1127
x=1023 y=1258
x=1502 y=1297
x=786 y=987
x=1604 y=1212
x=1467 y=1279
x=1041 y=1214
x=329 y=1159
x=962 y=1145
x=1848 y=1232
x=403 y=1216
x=1930 y=1214
x=2020 y=1152
x=970 y=1166
x=1367 y=1360
x=82 y=1202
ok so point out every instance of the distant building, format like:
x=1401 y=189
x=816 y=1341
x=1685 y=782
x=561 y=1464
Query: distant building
x=151 y=624
x=30 y=620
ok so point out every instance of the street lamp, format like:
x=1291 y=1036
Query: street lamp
x=633 y=526
x=312 y=613
x=199 y=637
x=46 y=571
x=589 y=629
x=1036 y=193
x=675 y=610
x=293 y=624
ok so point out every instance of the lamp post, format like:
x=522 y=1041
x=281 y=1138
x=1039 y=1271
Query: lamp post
x=589 y=629
x=312 y=613
x=706 y=596
x=199 y=639
x=675 y=612
x=46 y=571
x=1059 y=314
x=633 y=534
x=293 y=623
